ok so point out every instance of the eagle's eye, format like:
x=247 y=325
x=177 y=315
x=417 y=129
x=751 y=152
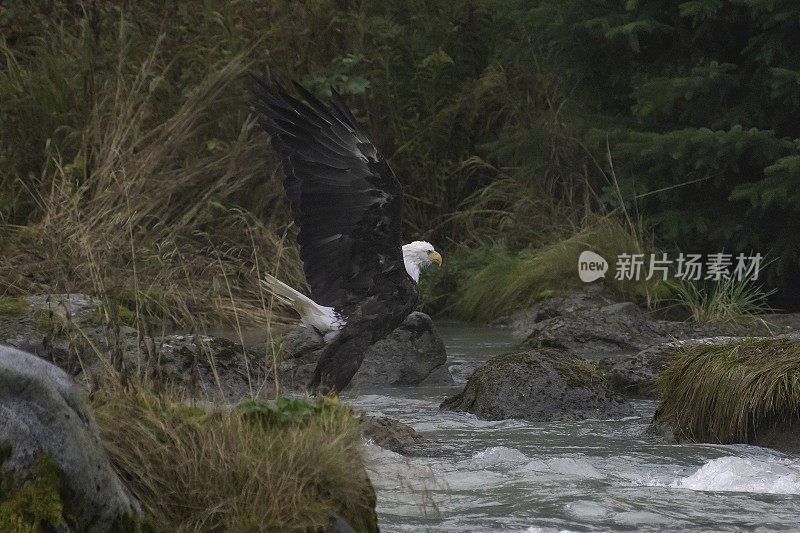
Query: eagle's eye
x=434 y=257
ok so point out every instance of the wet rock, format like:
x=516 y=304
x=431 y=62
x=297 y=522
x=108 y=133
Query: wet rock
x=783 y=435
x=209 y=366
x=339 y=525
x=663 y=434
x=392 y=435
x=590 y=324
x=42 y=413
x=523 y=323
x=634 y=376
x=538 y=385
x=413 y=354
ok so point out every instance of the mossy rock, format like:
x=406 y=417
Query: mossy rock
x=35 y=501
x=53 y=447
x=746 y=391
x=113 y=312
x=538 y=385
x=43 y=500
x=50 y=323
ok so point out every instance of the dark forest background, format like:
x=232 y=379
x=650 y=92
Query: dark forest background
x=523 y=131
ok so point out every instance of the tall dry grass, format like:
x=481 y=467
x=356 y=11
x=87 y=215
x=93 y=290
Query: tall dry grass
x=141 y=210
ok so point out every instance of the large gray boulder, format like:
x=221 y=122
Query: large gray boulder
x=42 y=413
x=413 y=354
x=538 y=385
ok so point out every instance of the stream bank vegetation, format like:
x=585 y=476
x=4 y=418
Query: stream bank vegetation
x=274 y=465
x=195 y=460
x=745 y=391
x=131 y=169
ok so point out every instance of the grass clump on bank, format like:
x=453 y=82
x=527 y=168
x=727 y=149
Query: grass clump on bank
x=280 y=465
x=493 y=282
x=728 y=300
x=729 y=393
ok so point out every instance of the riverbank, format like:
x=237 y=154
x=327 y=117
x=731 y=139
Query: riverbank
x=458 y=471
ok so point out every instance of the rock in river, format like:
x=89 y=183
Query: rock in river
x=42 y=416
x=538 y=385
x=392 y=435
x=634 y=376
x=413 y=354
x=591 y=324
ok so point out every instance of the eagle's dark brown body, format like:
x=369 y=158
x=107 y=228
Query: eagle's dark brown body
x=348 y=205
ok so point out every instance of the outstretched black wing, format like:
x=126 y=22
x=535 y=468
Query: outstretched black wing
x=344 y=197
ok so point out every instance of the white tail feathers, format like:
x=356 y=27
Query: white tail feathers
x=322 y=318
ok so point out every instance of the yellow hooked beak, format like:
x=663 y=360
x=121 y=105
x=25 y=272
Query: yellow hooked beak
x=435 y=258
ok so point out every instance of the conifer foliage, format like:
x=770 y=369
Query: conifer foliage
x=701 y=107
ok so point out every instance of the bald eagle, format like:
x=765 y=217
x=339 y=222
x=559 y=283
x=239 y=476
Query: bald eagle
x=348 y=205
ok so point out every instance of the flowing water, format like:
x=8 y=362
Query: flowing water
x=593 y=475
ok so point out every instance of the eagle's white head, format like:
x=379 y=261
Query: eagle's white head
x=417 y=255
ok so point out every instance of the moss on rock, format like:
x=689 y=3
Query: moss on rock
x=50 y=323
x=13 y=307
x=538 y=385
x=30 y=502
x=112 y=312
x=42 y=500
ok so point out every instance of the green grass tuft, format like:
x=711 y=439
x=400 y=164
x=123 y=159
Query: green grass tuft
x=113 y=312
x=285 y=411
x=726 y=301
x=50 y=323
x=726 y=393
x=495 y=282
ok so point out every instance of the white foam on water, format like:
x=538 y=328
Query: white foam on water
x=735 y=474
x=497 y=455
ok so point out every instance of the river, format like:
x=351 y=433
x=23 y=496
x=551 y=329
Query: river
x=592 y=475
